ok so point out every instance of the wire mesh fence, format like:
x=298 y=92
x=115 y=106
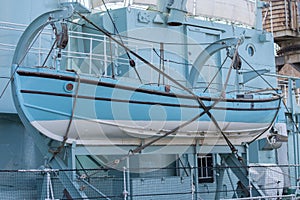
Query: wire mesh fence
x=174 y=182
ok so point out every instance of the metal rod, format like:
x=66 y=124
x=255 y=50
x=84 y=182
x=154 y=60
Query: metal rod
x=95 y=189
x=125 y=193
x=111 y=59
x=128 y=176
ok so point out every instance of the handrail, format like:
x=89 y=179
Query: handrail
x=293 y=196
x=104 y=57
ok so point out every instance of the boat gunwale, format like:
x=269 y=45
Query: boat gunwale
x=142 y=90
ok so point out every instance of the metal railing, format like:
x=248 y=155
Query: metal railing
x=140 y=183
x=85 y=3
x=289 y=197
x=284 y=86
x=98 y=55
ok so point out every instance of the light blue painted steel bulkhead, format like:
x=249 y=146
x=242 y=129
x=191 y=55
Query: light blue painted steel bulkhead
x=206 y=54
x=34 y=28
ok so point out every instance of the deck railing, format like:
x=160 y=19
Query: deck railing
x=97 y=56
x=289 y=197
x=101 y=50
x=144 y=183
x=289 y=86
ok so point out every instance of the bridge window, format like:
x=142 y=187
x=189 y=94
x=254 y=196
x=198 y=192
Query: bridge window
x=205 y=168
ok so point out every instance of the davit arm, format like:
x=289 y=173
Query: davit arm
x=35 y=27
x=206 y=54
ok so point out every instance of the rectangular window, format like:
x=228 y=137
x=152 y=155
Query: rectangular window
x=205 y=168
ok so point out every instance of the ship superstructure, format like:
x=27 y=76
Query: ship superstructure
x=135 y=62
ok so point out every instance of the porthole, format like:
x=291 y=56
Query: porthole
x=250 y=50
x=69 y=87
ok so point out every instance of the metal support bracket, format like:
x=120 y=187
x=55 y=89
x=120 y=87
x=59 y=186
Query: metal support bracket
x=249 y=75
x=241 y=173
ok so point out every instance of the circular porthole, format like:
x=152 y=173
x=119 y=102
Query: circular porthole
x=69 y=87
x=250 y=50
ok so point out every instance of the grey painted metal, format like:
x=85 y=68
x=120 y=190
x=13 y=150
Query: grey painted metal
x=220 y=177
x=72 y=159
x=43 y=192
x=206 y=54
x=290 y=196
x=15 y=15
x=65 y=177
x=47 y=187
x=128 y=176
x=248 y=76
x=111 y=150
x=241 y=171
x=34 y=28
x=294 y=135
x=18 y=150
x=260 y=5
x=170 y=149
x=103 y=196
x=25 y=41
x=196 y=150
